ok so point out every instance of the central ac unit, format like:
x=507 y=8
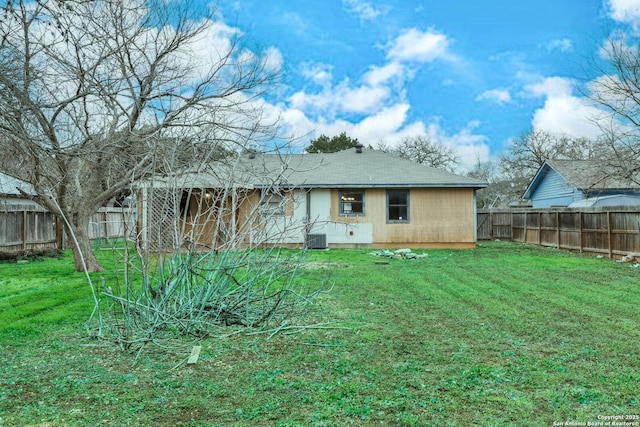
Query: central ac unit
x=316 y=241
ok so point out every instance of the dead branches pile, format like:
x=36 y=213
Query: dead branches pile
x=210 y=294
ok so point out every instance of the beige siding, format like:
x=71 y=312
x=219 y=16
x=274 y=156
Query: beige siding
x=216 y=219
x=437 y=217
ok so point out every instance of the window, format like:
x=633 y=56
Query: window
x=398 y=206
x=272 y=203
x=351 y=202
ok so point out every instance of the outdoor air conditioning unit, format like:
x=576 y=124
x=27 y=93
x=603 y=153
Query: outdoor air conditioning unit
x=316 y=241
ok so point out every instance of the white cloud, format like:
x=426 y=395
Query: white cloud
x=390 y=125
x=567 y=115
x=363 y=9
x=273 y=59
x=499 y=96
x=373 y=106
x=392 y=71
x=320 y=74
x=386 y=122
x=469 y=145
x=210 y=49
x=627 y=11
x=562 y=112
x=550 y=87
x=414 y=45
x=563 y=45
x=342 y=98
x=295 y=22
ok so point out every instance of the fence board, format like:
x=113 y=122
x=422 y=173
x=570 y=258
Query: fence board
x=24 y=227
x=596 y=230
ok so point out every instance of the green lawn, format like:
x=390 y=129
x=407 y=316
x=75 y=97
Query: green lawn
x=503 y=335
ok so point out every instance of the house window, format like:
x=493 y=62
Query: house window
x=352 y=202
x=272 y=202
x=398 y=206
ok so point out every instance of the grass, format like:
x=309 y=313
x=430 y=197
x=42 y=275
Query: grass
x=503 y=335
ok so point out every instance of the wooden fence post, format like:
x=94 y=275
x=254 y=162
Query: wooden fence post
x=581 y=233
x=511 y=225
x=491 y=225
x=609 y=234
x=558 y=229
x=539 y=228
x=24 y=230
x=106 y=226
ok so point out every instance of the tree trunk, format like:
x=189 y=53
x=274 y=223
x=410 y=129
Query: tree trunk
x=83 y=256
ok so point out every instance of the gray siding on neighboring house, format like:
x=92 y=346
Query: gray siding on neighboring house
x=554 y=190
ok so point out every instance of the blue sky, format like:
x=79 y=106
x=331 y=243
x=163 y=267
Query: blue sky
x=470 y=74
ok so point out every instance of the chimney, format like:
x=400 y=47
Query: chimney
x=359 y=147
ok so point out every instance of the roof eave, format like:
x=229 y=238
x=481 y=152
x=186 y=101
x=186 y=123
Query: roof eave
x=536 y=180
x=376 y=185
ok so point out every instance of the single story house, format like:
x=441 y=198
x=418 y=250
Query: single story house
x=353 y=198
x=578 y=183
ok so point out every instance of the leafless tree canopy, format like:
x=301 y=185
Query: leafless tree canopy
x=424 y=150
x=526 y=154
x=618 y=91
x=95 y=95
x=498 y=192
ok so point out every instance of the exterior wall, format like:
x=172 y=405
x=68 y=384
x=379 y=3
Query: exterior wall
x=438 y=217
x=341 y=230
x=554 y=190
x=287 y=229
x=238 y=218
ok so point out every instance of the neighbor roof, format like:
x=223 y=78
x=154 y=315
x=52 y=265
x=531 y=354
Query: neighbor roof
x=344 y=169
x=583 y=175
x=9 y=186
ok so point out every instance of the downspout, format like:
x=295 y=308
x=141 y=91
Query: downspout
x=475 y=217
x=307 y=225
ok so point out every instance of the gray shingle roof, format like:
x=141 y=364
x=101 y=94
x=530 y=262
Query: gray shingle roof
x=349 y=169
x=344 y=169
x=9 y=186
x=590 y=175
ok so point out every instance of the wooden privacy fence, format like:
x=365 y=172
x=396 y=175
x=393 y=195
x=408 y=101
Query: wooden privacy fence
x=612 y=232
x=26 y=227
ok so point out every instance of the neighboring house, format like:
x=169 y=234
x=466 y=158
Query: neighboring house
x=10 y=193
x=578 y=183
x=352 y=198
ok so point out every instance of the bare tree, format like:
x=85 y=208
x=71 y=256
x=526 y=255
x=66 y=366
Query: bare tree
x=616 y=88
x=526 y=154
x=498 y=192
x=217 y=259
x=96 y=95
x=424 y=150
